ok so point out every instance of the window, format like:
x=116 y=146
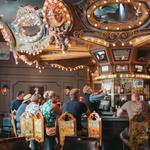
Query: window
x=105 y=69
x=139 y=69
x=122 y=68
x=121 y=54
x=100 y=56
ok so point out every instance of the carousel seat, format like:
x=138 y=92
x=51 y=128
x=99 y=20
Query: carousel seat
x=80 y=143
x=14 y=143
x=139 y=138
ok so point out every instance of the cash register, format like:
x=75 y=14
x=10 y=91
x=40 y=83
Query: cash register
x=105 y=106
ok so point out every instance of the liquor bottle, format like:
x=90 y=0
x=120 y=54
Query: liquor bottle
x=122 y=89
x=118 y=90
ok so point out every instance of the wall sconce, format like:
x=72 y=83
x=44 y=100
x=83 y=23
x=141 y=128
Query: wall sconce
x=4 y=90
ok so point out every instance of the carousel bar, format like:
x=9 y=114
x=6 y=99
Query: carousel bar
x=75 y=75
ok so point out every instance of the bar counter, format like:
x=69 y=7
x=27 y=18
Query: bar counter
x=112 y=118
x=111 y=128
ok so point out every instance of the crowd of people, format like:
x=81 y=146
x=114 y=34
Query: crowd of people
x=51 y=107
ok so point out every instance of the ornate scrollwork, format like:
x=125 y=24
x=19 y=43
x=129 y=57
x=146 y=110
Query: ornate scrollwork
x=58 y=19
x=8 y=36
x=29 y=30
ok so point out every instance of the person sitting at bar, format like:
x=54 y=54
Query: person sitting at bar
x=50 y=110
x=75 y=107
x=46 y=96
x=95 y=99
x=132 y=108
x=33 y=107
x=16 y=103
x=21 y=110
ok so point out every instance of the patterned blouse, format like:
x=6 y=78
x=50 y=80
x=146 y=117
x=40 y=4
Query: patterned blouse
x=49 y=114
x=32 y=108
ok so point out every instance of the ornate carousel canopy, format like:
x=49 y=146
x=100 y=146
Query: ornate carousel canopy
x=112 y=32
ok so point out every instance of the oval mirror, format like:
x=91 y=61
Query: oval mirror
x=117 y=13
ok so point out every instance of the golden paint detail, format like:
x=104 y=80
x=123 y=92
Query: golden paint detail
x=140 y=40
x=96 y=40
x=58 y=19
x=142 y=76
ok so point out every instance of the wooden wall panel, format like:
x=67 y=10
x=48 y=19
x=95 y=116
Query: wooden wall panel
x=22 y=77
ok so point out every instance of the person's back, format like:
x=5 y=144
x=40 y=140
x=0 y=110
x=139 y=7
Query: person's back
x=16 y=103
x=75 y=107
x=50 y=110
x=33 y=107
x=21 y=110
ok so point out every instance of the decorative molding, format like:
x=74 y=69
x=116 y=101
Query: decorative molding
x=29 y=30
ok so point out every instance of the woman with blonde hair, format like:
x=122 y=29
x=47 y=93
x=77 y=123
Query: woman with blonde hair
x=50 y=110
x=33 y=107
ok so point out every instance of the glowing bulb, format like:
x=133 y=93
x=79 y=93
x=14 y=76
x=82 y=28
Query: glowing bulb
x=146 y=13
x=114 y=44
x=68 y=22
x=140 y=22
x=68 y=15
x=88 y=16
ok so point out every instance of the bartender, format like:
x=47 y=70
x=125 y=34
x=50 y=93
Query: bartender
x=95 y=99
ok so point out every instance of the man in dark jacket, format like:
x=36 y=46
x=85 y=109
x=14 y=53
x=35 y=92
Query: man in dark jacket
x=16 y=103
x=75 y=107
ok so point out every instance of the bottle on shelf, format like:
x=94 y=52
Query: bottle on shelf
x=118 y=90
x=122 y=89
